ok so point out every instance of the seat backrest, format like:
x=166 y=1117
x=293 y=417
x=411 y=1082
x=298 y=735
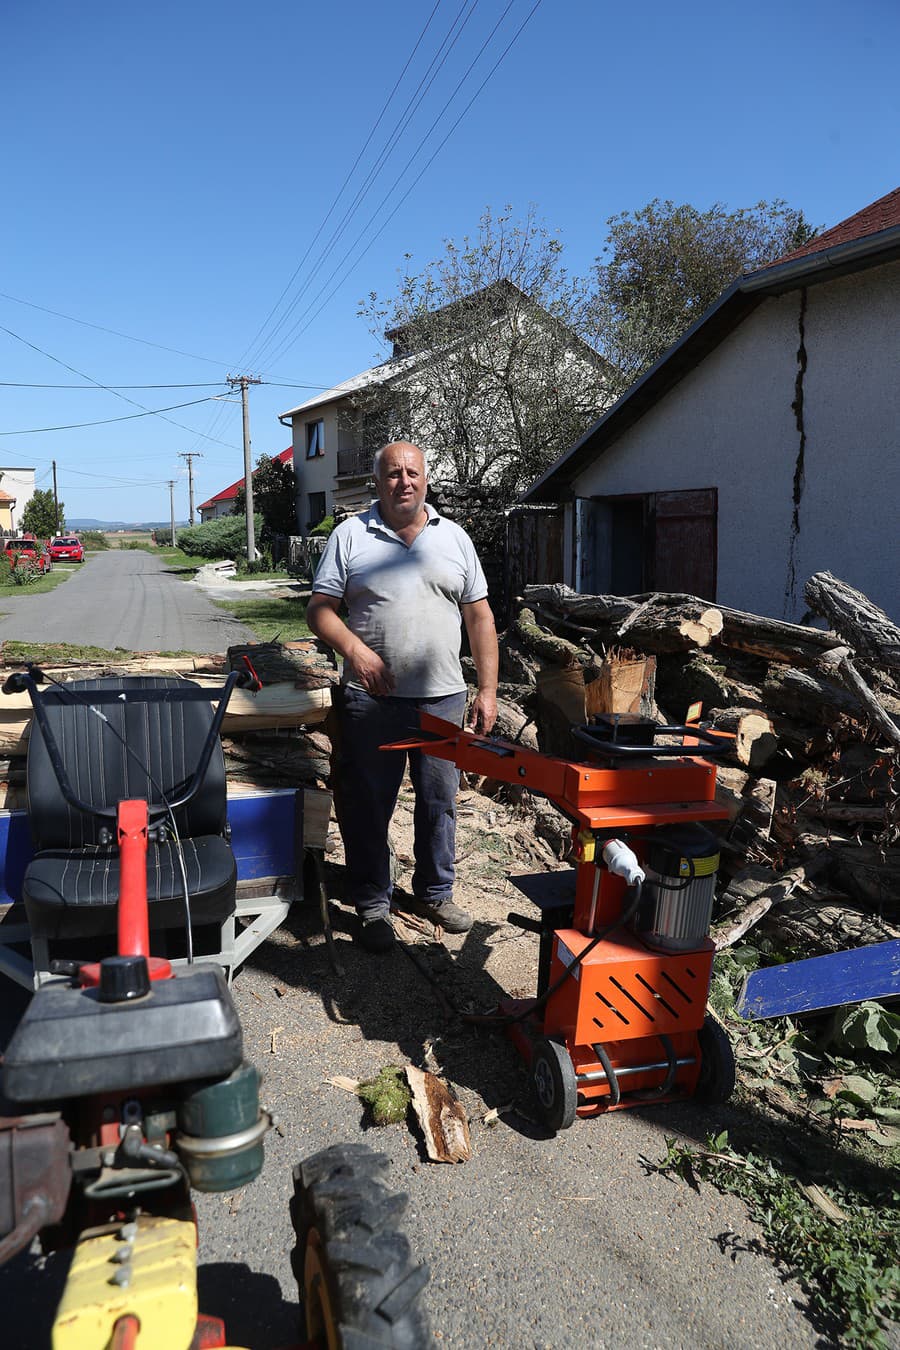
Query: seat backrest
x=165 y=738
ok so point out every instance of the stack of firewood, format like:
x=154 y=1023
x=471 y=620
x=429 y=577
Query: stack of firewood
x=812 y=788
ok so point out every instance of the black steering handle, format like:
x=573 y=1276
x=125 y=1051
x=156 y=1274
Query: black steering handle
x=713 y=746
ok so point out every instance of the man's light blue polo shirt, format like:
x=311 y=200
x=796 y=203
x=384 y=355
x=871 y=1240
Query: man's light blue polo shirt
x=403 y=600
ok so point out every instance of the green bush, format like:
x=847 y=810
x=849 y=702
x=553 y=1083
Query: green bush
x=94 y=539
x=222 y=538
x=324 y=526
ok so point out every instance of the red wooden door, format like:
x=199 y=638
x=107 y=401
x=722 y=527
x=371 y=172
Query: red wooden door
x=684 y=542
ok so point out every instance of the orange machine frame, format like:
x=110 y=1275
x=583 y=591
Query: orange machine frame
x=644 y=1007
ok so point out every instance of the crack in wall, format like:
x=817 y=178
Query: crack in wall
x=790 y=590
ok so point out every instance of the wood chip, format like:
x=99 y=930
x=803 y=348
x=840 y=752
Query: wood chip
x=346 y=1084
x=822 y=1202
x=442 y=1119
x=273 y=1044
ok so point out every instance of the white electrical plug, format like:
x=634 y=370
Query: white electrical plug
x=622 y=861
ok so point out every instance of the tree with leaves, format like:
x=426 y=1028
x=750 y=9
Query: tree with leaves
x=274 y=495
x=664 y=265
x=40 y=515
x=492 y=373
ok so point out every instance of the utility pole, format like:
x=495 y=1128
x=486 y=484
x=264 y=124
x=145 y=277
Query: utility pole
x=245 y=381
x=55 y=501
x=190 y=456
x=172 y=507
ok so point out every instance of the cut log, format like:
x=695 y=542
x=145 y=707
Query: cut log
x=756 y=740
x=803 y=694
x=753 y=633
x=752 y=892
x=557 y=650
x=867 y=701
x=442 y=1119
x=868 y=630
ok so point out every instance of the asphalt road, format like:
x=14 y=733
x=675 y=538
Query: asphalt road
x=122 y=598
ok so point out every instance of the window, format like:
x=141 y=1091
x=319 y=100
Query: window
x=315 y=439
x=316 y=509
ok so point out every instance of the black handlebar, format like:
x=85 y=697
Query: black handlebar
x=27 y=681
x=713 y=747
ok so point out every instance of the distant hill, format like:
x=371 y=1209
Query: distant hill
x=107 y=526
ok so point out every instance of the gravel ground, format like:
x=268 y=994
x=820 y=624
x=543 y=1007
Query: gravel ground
x=539 y=1240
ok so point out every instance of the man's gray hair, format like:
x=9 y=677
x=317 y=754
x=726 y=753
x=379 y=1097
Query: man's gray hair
x=376 y=462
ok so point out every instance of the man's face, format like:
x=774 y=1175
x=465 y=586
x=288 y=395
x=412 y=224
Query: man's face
x=401 y=484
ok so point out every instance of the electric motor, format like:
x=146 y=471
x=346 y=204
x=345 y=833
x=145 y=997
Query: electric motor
x=677 y=899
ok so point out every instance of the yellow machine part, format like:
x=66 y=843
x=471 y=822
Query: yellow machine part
x=147 y=1268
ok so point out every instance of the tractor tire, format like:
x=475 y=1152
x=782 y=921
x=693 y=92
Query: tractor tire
x=554 y=1083
x=359 y=1285
x=717 y=1069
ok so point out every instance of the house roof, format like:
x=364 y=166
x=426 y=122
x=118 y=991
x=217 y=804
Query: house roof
x=5 y=497
x=872 y=219
x=228 y=494
x=387 y=370
x=867 y=239
x=402 y=364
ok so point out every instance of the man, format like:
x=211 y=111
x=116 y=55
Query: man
x=408 y=577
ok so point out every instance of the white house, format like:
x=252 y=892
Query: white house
x=336 y=433
x=762 y=447
x=16 y=491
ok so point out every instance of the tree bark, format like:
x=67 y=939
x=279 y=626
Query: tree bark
x=871 y=633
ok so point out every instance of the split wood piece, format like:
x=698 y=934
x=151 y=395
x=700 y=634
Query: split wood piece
x=753 y=633
x=441 y=1117
x=560 y=705
x=276 y=705
x=626 y=684
x=756 y=739
x=868 y=630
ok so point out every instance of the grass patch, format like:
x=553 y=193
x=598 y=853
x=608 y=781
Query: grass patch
x=270 y=618
x=176 y=560
x=48 y=581
x=63 y=653
x=847 y=1259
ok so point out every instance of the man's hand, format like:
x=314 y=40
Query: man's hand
x=483 y=713
x=324 y=620
x=370 y=671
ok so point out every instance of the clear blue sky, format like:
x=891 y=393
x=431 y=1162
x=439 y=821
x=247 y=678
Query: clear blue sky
x=166 y=166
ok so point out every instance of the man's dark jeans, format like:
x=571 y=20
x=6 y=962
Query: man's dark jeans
x=368 y=781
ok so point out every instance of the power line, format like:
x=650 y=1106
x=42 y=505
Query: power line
x=340 y=190
x=299 y=327
x=113 y=331
x=82 y=376
x=115 y=388
x=387 y=150
x=107 y=421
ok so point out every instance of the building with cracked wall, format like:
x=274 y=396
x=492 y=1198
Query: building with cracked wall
x=762 y=447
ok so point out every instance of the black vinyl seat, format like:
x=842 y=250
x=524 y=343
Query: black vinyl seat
x=71 y=886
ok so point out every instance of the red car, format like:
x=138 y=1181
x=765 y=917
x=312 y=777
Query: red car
x=31 y=552
x=66 y=548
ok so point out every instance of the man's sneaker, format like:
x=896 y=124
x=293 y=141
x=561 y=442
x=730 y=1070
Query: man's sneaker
x=450 y=917
x=376 y=932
